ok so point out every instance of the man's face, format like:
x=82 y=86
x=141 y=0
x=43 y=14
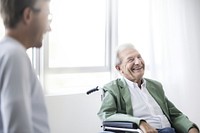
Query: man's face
x=40 y=23
x=132 y=65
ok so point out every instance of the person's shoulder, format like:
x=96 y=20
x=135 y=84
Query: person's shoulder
x=113 y=87
x=12 y=54
x=11 y=49
x=152 y=81
x=114 y=84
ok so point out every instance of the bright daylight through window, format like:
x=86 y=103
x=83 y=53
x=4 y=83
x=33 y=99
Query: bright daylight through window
x=76 y=57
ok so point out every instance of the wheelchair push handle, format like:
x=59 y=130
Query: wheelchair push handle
x=92 y=90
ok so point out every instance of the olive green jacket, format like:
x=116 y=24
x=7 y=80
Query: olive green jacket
x=117 y=106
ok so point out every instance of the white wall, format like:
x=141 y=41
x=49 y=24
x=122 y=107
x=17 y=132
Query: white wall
x=175 y=62
x=74 y=113
x=78 y=113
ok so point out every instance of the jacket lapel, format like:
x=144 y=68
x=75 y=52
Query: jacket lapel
x=158 y=96
x=125 y=93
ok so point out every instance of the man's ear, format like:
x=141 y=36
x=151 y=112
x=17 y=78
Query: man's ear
x=27 y=15
x=117 y=67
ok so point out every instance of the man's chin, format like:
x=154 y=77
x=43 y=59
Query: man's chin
x=38 y=45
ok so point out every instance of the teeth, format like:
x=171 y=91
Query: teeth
x=136 y=68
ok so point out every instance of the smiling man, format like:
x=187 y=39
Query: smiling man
x=141 y=100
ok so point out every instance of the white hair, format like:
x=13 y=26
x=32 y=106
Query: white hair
x=121 y=48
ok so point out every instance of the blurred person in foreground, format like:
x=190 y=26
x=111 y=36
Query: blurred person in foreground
x=140 y=100
x=22 y=103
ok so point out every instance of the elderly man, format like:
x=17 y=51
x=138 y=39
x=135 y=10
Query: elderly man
x=140 y=100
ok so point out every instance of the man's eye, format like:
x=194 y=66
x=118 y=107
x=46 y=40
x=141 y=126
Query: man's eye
x=139 y=57
x=130 y=60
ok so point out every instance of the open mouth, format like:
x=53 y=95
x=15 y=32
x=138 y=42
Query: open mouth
x=137 y=68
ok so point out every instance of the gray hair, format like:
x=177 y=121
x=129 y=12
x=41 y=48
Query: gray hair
x=12 y=10
x=119 y=49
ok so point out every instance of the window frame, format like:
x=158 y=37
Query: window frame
x=41 y=60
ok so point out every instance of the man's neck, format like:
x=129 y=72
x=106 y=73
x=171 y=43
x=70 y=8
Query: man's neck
x=19 y=36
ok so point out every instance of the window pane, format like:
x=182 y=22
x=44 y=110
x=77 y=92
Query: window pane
x=75 y=83
x=134 y=27
x=77 y=38
x=76 y=55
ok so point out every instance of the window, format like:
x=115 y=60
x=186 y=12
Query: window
x=76 y=55
x=134 y=27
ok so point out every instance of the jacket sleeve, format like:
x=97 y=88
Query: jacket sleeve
x=108 y=111
x=179 y=120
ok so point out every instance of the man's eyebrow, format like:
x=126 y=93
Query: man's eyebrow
x=128 y=58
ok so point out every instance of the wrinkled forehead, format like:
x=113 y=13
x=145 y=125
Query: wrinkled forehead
x=129 y=52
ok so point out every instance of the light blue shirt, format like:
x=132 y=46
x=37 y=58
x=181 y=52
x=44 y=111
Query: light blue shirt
x=145 y=106
x=22 y=104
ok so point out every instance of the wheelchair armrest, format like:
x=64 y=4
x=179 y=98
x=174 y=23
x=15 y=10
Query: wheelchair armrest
x=123 y=126
x=120 y=124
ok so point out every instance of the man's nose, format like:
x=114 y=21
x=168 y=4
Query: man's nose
x=137 y=61
x=48 y=28
x=49 y=22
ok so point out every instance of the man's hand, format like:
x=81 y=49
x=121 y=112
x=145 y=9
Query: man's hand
x=193 y=130
x=146 y=128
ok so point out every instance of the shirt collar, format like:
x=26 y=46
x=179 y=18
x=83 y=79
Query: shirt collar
x=131 y=84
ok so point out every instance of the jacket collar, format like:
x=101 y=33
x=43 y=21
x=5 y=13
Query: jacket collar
x=127 y=95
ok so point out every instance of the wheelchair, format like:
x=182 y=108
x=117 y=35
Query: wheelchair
x=117 y=126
